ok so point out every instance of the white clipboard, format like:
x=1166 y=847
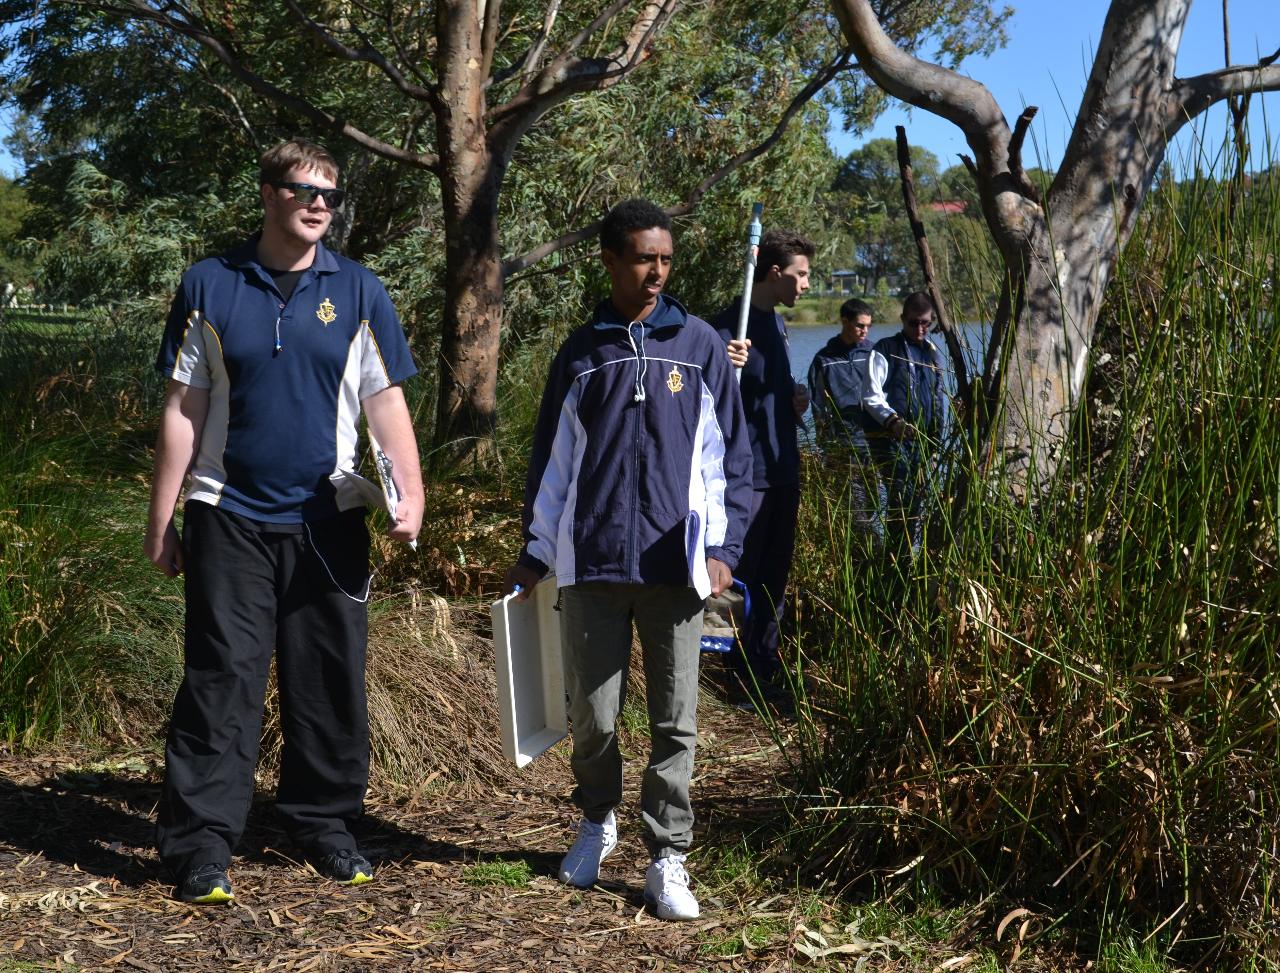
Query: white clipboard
x=531 y=701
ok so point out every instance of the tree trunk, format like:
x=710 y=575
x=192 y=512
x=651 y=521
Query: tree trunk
x=1066 y=248
x=470 y=180
x=466 y=406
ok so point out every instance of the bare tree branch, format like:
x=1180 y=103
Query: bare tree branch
x=394 y=35
x=560 y=268
x=582 y=36
x=566 y=75
x=489 y=35
x=189 y=25
x=1015 y=153
x=932 y=284
x=368 y=54
x=538 y=48
x=1191 y=96
x=815 y=84
x=963 y=101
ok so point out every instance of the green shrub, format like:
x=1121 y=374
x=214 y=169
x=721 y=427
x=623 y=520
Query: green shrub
x=89 y=634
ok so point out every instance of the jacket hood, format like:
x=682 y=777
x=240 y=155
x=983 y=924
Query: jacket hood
x=666 y=313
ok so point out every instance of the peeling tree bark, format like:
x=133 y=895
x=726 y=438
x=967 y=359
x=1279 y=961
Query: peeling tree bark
x=1059 y=253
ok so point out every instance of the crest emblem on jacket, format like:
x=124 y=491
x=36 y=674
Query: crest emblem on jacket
x=675 y=381
x=326 y=312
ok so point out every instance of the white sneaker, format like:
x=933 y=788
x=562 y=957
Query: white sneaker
x=666 y=888
x=595 y=842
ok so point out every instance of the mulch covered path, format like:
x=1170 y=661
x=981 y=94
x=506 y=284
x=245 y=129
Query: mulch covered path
x=80 y=887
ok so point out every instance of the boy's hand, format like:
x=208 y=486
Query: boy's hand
x=164 y=549
x=519 y=576
x=899 y=428
x=721 y=576
x=738 y=351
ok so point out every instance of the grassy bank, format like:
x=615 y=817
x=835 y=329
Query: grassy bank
x=1072 y=703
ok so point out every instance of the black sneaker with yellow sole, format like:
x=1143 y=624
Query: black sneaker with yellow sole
x=344 y=867
x=206 y=885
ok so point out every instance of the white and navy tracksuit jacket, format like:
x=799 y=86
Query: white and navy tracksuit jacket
x=641 y=468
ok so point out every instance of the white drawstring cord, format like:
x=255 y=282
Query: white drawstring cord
x=368 y=585
x=642 y=363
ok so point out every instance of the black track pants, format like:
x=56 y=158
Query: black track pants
x=250 y=591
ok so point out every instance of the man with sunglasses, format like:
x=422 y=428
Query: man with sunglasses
x=272 y=352
x=907 y=401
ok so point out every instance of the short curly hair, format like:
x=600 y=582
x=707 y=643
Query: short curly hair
x=627 y=217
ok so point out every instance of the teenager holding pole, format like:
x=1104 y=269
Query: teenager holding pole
x=773 y=404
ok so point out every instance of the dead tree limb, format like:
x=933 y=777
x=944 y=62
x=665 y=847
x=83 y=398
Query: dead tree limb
x=954 y=348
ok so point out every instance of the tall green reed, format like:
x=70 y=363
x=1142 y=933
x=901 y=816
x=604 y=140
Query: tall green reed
x=1074 y=700
x=89 y=636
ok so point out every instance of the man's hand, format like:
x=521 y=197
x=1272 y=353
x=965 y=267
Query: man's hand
x=800 y=400
x=164 y=549
x=738 y=351
x=391 y=426
x=519 y=576
x=899 y=428
x=721 y=576
x=408 y=518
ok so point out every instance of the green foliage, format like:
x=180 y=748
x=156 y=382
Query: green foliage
x=14 y=266
x=113 y=251
x=868 y=229
x=1073 y=698
x=87 y=640
x=868 y=187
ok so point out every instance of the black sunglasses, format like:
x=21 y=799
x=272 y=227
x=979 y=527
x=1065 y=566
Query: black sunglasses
x=306 y=194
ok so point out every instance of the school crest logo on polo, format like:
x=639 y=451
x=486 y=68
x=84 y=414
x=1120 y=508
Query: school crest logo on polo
x=675 y=381
x=326 y=312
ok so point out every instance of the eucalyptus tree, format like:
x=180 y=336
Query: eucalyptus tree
x=1059 y=247
x=452 y=89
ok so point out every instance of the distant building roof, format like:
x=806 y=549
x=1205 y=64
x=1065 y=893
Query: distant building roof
x=952 y=207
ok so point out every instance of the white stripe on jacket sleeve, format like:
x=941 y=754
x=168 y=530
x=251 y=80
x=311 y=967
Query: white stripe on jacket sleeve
x=550 y=523
x=874 y=400
x=706 y=491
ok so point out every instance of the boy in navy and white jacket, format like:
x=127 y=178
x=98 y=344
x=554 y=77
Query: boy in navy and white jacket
x=637 y=501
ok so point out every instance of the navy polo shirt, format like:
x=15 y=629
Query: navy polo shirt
x=285 y=379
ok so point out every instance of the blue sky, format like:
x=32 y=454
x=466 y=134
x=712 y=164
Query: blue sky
x=1047 y=63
